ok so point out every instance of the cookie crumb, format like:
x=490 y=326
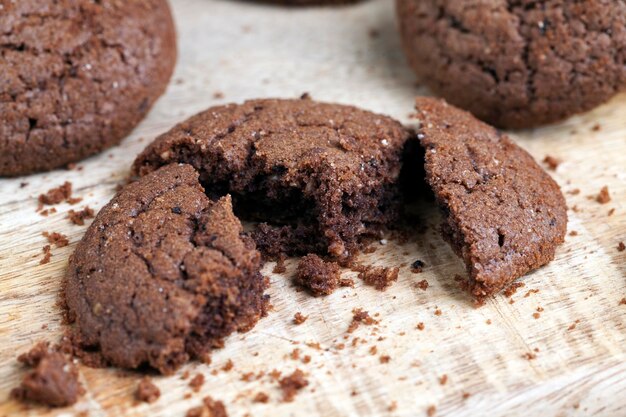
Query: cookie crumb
x=529 y=356
x=298 y=318
x=431 y=411
x=360 y=317
x=209 y=408
x=78 y=217
x=604 y=197
x=196 y=382
x=290 y=385
x=46 y=255
x=261 y=397
x=378 y=276
x=53 y=381
x=384 y=358
x=57 y=239
x=147 y=391
x=420 y=326
x=551 y=162
x=621 y=247
x=228 y=366
x=622 y=302
x=317 y=276
x=56 y=195
x=443 y=379
x=422 y=285
x=218 y=95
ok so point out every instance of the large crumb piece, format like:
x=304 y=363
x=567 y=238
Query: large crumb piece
x=317 y=276
x=292 y=384
x=53 y=381
x=147 y=391
x=378 y=276
x=56 y=195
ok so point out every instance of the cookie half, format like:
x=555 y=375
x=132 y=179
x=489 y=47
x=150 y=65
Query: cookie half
x=163 y=274
x=322 y=176
x=503 y=214
x=77 y=76
x=517 y=64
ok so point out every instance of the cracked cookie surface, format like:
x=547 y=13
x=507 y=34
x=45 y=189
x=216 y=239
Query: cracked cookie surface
x=76 y=76
x=503 y=214
x=517 y=63
x=323 y=176
x=163 y=274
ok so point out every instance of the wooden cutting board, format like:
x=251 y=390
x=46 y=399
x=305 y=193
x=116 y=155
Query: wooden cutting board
x=231 y=51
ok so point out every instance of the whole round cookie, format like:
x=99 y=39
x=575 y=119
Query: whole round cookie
x=77 y=75
x=517 y=64
x=503 y=214
x=322 y=176
x=163 y=274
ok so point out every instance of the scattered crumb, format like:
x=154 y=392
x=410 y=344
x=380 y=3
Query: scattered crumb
x=573 y=233
x=393 y=406
x=46 y=255
x=373 y=350
x=196 y=382
x=317 y=276
x=228 y=366
x=573 y=325
x=57 y=239
x=529 y=356
x=536 y=315
x=379 y=277
x=218 y=95
x=209 y=408
x=512 y=289
x=422 y=285
x=604 y=197
x=437 y=312
x=531 y=291
x=551 y=162
x=443 y=379
x=290 y=385
x=420 y=326
x=575 y=191
x=596 y=127
x=611 y=212
x=417 y=266
x=261 y=397
x=622 y=302
x=621 y=247
x=488 y=321
x=78 y=217
x=53 y=381
x=360 y=317
x=384 y=358
x=147 y=391
x=466 y=395
x=431 y=410
x=46 y=212
x=56 y=195
x=298 y=318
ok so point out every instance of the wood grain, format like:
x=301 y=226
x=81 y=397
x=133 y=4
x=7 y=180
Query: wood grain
x=352 y=55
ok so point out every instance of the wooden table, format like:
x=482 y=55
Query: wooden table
x=231 y=51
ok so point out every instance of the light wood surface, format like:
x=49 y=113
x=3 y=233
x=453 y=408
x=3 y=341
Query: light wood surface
x=352 y=55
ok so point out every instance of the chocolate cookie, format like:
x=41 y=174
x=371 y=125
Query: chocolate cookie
x=77 y=75
x=517 y=64
x=503 y=214
x=163 y=274
x=323 y=176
